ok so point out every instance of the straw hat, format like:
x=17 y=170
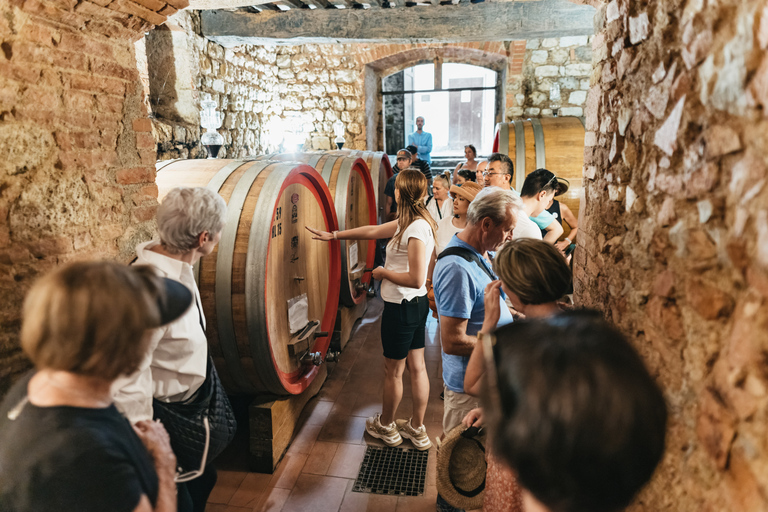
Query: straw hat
x=461 y=468
x=468 y=190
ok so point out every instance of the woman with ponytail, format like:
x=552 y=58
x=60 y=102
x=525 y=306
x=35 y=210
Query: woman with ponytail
x=403 y=288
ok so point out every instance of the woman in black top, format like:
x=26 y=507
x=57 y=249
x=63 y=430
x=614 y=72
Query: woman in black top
x=63 y=444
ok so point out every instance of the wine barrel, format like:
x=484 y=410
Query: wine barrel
x=554 y=143
x=265 y=259
x=381 y=170
x=354 y=196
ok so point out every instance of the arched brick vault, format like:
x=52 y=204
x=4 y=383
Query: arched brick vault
x=506 y=58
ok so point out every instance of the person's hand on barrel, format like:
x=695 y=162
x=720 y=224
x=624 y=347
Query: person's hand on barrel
x=325 y=236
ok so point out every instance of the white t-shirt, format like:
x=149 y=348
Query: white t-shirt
x=445 y=211
x=445 y=231
x=397 y=261
x=525 y=228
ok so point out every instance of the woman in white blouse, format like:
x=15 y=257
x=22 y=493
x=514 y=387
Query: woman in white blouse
x=189 y=223
x=440 y=205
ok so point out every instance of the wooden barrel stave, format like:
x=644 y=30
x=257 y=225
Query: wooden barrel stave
x=347 y=177
x=554 y=143
x=234 y=284
x=380 y=169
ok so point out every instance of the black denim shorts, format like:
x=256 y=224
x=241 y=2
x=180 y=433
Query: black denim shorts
x=403 y=327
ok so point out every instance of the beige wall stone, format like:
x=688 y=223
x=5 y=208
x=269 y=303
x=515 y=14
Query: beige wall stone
x=673 y=229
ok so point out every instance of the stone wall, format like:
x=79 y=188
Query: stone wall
x=77 y=173
x=673 y=240
x=266 y=91
x=555 y=78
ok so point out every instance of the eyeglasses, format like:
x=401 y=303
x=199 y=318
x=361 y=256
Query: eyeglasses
x=486 y=173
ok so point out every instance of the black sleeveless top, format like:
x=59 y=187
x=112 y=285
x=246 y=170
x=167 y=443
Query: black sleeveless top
x=555 y=211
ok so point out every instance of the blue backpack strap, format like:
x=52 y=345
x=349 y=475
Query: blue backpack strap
x=468 y=255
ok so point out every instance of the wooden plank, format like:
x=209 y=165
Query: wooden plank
x=272 y=425
x=450 y=23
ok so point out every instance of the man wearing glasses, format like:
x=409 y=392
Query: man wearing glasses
x=500 y=172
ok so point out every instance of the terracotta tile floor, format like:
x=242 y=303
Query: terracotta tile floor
x=318 y=471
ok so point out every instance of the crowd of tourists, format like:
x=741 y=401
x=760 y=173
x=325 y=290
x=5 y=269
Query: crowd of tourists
x=111 y=417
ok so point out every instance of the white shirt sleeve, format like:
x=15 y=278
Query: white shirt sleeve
x=133 y=393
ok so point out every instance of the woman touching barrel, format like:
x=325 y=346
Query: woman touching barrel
x=403 y=288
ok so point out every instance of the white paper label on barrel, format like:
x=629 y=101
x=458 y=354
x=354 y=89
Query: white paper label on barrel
x=353 y=259
x=298 y=312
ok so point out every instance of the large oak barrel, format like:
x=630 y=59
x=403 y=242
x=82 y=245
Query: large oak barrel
x=381 y=170
x=265 y=265
x=354 y=196
x=554 y=143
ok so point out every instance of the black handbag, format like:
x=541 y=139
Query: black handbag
x=195 y=443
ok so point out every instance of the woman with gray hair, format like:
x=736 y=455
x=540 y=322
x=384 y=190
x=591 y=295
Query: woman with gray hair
x=189 y=224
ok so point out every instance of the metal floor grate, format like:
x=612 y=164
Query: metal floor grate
x=392 y=471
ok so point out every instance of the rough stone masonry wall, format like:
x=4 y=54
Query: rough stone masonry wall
x=77 y=172
x=555 y=78
x=673 y=244
x=264 y=90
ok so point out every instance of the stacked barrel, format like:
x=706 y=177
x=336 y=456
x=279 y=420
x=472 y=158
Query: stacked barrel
x=555 y=143
x=268 y=288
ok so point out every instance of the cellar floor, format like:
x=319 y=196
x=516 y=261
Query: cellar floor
x=318 y=471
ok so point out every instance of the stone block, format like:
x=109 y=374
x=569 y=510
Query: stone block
x=721 y=140
x=584 y=53
x=549 y=43
x=533 y=112
x=546 y=71
x=571 y=111
x=578 y=69
x=639 y=28
x=532 y=44
x=539 y=56
x=666 y=136
x=559 y=56
x=568 y=41
x=321 y=143
x=577 y=98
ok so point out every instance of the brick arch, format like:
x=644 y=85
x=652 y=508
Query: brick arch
x=506 y=58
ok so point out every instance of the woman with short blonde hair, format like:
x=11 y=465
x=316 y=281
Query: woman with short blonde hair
x=63 y=444
x=189 y=224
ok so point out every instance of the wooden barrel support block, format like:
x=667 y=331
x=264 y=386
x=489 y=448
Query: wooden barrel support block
x=259 y=265
x=554 y=143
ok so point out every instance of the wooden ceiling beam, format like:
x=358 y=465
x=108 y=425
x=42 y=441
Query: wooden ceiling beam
x=499 y=21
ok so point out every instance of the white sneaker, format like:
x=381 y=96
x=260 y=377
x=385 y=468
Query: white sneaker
x=418 y=436
x=387 y=433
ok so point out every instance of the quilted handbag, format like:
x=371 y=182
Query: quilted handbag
x=187 y=428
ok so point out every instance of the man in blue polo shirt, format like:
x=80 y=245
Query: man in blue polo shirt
x=460 y=277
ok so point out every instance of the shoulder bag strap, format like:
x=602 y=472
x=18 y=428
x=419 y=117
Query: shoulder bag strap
x=468 y=255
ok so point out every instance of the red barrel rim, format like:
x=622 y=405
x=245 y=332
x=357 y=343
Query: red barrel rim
x=299 y=380
x=496 y=140
x=387 y=165
x=361 y=168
